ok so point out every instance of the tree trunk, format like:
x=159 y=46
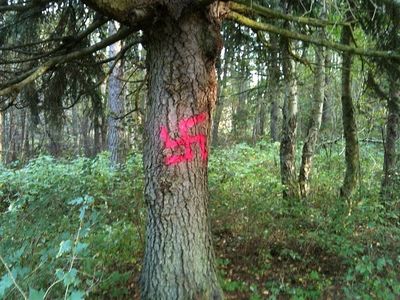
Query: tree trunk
x=2 y=129
x=13 y=136
x=24 y=136
x=97 y=117
x=392 y=134
x=274 y=90
x=240 y=115
x=314 y=122
x=75 y=130
x=259 y=120
x=289 y=128
x=85 y=136
x=179 y=257
x=274 y=119
x=349 y=122
x=259 y=123
x=390 y=182
x=219 y=106
x=327 y=117
x=54 y=132
x=114 y=102
x=222 y=79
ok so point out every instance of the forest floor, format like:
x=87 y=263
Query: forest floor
x=66 y=230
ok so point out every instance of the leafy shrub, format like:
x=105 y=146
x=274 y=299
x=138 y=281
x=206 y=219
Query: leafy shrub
x=71 y=228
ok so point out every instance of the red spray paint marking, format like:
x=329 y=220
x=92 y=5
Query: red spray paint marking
x=185 y=140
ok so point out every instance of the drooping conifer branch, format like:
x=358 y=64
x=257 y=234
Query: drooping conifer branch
x=19 y=82
x=246 y=7
x=256 y=25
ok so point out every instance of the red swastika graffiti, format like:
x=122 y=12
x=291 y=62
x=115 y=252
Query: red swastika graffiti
x=185 y=140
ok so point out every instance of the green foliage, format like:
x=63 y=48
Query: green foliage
x=317 y=248
x=71 y=228
x=74 y=229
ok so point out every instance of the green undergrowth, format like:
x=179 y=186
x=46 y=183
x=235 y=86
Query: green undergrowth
x=323 y=247
x=73 y=229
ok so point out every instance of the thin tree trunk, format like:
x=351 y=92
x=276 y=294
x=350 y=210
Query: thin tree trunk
x=13 y=137
x=349 y=123
x=289 y=128
x=259 y=124
x=220 y=102
x=274 y=119
x=75 y=130
x=274 y=89
x=392 y=135
x=96 y=135
x=327 y=117
x=179 y=258
x=85 y=135
x=314 y=122
x=240 y=111
x=25 y=136
x=259 y=121
x=114 y=102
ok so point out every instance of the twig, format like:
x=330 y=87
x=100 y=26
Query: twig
x=13 y=279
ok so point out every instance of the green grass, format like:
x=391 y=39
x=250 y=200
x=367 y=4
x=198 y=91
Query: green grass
x=75 y=228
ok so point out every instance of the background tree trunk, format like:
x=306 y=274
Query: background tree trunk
x=261 y=111
x=392 y=134
x=85 y=136
x=259 y=123
x=220 y=102
x=314 y=122
x=390 y=164
x=274 y=90
x=114 y=102
x=179 y=257
x=239 y=118
x=349 y=123
x=97 y=117
x=289 y=125
x=327 y=117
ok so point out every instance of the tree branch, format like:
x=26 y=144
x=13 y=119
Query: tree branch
x=248 y=8
x=13 y=279
x=63 y=47
x=19 y=82
x=234 y=16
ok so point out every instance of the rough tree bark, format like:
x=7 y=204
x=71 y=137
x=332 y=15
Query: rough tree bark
x=179 y=257
x=289 y=125
x=349 y=122
x=114 y=102
x=1 y=135
x=390 y=182
x=392 y=134
x=314 y=121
